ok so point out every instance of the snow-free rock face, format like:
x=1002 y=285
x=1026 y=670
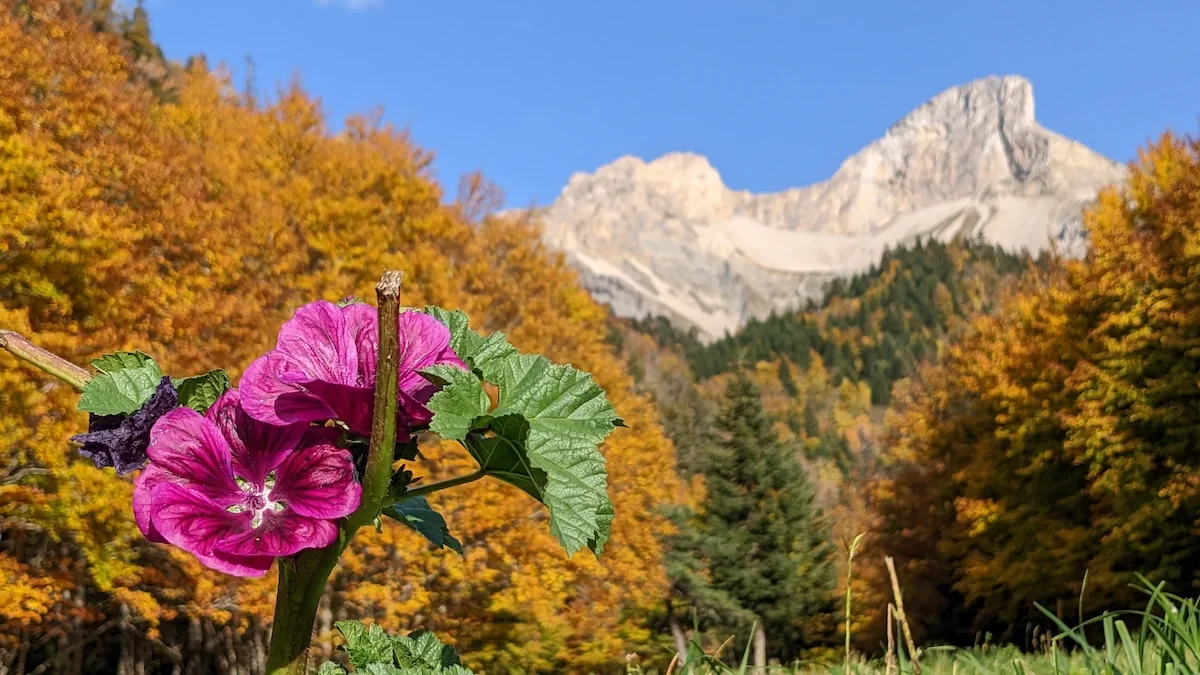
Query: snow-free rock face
x=668 y=237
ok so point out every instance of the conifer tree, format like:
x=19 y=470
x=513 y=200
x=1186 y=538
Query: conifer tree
x=765 y=539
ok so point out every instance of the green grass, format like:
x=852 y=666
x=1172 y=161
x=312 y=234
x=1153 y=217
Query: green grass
x=1161 y=638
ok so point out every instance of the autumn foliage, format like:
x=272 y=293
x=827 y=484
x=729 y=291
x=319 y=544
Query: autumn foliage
x=1060 y=436
x=189 y=221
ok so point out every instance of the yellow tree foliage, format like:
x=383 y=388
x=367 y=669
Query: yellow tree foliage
x=1060 y=436
x=191 y=228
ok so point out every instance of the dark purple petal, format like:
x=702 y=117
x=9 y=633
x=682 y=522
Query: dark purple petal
x=119 y=441
x=318 y=482
x=281 y=534
x=270 y=393
x=191 y=447
x=256 y=448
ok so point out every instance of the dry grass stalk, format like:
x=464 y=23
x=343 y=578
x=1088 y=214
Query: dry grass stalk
x=889 y=659
x=908 y=638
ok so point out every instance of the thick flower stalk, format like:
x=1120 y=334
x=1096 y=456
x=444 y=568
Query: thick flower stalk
x=324 y=367
x=302 y=578
x=238 y=493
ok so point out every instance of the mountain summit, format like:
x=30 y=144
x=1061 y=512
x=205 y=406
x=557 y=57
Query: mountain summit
x=668 y=237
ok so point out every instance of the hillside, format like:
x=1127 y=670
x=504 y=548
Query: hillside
x=875 y=326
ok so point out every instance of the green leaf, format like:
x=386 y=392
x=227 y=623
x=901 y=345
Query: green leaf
x=418 y=649
x=407 y=449
x=125 y=382
x=373 y=651
x=482 y=354
x=199 y=392
x=458 y=404
x=416 y=513
x=567 y=416
x=548 y=425
x=120 y=361
x=503 y=455
x=366 y=645
x=387 y=669
x=422 y=649
x=604 y=518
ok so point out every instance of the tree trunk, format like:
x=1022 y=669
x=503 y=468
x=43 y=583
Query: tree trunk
x=680 y=640
x=325 y=624
x=760 y=651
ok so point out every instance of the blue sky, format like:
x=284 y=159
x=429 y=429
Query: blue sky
x=776 y=94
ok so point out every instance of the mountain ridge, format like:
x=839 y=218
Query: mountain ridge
x=668 y=237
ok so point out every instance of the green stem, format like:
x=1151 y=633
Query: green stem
x=302 y=577
x=849 y=579
x=442 y=485
x=23 y=349
x=377 y=476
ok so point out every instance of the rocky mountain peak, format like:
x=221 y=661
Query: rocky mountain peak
x=990 y=102
x=668 y=237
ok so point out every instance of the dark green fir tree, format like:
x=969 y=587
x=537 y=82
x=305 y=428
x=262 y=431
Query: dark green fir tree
x=765 y=539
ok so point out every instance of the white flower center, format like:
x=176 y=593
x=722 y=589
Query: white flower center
x=257 y=500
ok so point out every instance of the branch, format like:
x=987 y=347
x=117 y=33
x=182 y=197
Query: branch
x=377 y=477
x=442 y=485
x=14 y=478
x=23 y=349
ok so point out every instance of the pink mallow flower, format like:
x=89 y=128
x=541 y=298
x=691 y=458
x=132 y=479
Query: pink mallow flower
x=237 y=493
x=323 y=367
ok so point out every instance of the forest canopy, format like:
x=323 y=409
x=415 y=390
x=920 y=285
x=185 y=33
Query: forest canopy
x=161 y=208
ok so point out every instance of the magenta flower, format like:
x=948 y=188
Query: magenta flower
x=323 y=367
x=237 y=493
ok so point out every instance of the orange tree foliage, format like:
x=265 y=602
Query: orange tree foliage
x=1060 y=435
x=191 y=228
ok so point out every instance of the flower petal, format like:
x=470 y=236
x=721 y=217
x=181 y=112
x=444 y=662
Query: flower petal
x=319 y=482
x=270 y=393
x=424 y=341
x=282 y=534
x=197 y=524
x=143 y=501
x=257 y=448
x=318 y=342
x=191 y=447
x=363 y=323
x=353 y=405
x=413 y=410
x=237 y=565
